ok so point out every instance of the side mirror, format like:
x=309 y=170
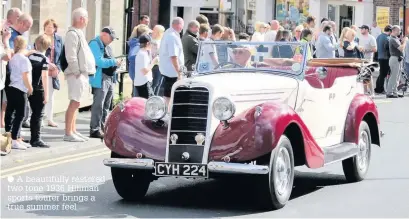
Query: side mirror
x=321 y=72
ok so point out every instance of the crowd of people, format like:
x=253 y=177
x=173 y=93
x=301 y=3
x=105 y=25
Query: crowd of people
x=156 y=60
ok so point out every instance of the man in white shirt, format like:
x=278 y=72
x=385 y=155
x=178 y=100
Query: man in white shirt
x=367 y=43
x=171 y=57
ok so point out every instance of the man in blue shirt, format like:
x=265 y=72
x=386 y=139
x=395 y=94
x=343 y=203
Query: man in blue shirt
x=102 y=82
x=383 y=58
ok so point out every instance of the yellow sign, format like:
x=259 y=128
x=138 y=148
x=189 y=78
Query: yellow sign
x=401 y=14
x=382 y=16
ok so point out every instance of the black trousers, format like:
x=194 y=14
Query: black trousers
x=384 y=70
x=17 y=105
x=143 y=90
x=37 y=107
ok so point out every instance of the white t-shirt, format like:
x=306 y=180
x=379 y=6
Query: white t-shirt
x=206 y=61
x=142 y=60
x=171 y=45
x=18 y=65
x=368 y=42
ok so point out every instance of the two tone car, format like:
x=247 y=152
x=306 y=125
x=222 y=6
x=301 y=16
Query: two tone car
x=259 y=109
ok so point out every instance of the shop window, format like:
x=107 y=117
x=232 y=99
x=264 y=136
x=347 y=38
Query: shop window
x=291 y=13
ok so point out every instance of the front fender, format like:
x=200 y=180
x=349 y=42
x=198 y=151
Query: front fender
x=250 y=136
x=128 y=132
x=362 y=108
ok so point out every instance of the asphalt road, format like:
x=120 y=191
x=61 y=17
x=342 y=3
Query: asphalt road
x=317 y=193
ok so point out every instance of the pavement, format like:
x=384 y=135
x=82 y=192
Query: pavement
x=54 y=137
x=46 y=187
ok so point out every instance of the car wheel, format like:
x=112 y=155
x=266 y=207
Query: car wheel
x=356 y=168
x=281 y=175
x=130 y=184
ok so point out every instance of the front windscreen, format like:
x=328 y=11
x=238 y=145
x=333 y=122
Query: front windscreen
x=247 y=56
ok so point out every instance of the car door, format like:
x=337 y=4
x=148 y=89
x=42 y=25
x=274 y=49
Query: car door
x=314 y=106
x=343 y=90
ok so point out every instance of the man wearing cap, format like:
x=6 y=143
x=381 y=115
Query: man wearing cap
x=102 y=82
x=383 y=58
x=367 y=43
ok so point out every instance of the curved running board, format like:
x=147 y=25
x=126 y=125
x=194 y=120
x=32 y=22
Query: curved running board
x=339 y=152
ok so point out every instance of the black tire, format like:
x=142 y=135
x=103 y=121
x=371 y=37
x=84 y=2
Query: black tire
x=130 y=184
x=276 y=198
x=353 y=167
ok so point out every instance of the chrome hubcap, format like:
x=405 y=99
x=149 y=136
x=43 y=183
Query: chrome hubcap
x=363 y=154
x=282 y=172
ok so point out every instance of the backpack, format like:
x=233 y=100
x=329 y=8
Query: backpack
x=63 y=59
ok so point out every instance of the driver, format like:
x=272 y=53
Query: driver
x=242 y=56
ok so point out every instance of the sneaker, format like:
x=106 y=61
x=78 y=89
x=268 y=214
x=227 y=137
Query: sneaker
x=391 y=96
x=17 y=145
x=28 y=145
x=81 y=136
x=40 y=143
x=73 y=138
x=96 y=134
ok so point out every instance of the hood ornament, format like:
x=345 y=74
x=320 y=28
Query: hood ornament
x=200 y=138
x=174 y=138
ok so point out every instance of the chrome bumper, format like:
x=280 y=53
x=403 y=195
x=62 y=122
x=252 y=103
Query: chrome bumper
x=214 y=167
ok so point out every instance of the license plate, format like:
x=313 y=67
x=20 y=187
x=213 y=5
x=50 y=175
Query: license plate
x=179 y=169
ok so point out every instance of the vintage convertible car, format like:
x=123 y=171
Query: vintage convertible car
x=256 y=109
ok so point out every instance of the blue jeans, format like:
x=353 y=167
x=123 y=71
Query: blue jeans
x=157 y=76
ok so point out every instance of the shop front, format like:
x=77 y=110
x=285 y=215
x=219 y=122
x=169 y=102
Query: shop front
x=344 y=12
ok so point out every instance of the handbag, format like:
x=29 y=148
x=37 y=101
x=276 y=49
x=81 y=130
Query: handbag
x=56 y=83
x=55 y=80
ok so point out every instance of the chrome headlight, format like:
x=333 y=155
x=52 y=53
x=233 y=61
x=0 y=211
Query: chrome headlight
x=155 y=108
x=223 y=108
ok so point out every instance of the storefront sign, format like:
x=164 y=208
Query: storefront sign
x=382 y=16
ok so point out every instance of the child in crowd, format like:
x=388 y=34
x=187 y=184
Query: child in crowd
x=143 y=67
x=39 y=97
x=20 y=86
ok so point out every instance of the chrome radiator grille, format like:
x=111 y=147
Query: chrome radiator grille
x=189 y=118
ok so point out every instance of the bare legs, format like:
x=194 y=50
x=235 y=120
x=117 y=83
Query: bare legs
x=70 y=118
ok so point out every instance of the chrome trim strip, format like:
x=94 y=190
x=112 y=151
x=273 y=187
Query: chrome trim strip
x=181 y=117
x=339 y=152
x=213 y=167
x=190 y=104
x=130 y=163
x=237 y=168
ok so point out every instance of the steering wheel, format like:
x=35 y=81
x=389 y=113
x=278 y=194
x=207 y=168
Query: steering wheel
x=228 y=63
